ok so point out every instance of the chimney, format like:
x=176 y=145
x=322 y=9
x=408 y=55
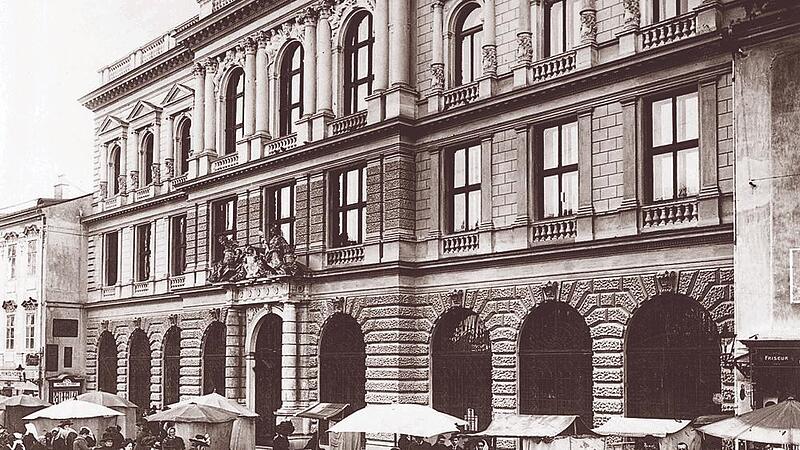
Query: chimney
x=58 y=189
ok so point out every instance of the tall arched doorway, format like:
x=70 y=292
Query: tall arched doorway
x=139 y=370
x=671 y=360
x=555 y=362
x=343 y=362
x=172 y=365
x=462 y=368
x=107 y=363
x=268 y=376
x=214 y=359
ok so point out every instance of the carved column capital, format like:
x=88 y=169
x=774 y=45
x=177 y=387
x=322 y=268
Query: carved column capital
x=437 y=77
x=630 y=15
x=262 y=38
x=308 y=17
x=524 y=48
x=210 y=65
x=489 y=60
x=325 y=9
x=588 y=26
x=249 y=45
x=198 y=70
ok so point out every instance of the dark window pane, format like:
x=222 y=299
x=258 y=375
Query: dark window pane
x=51 y=358
x=65 y=328
x=67 y=357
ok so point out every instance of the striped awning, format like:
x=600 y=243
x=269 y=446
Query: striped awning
x=323 y=410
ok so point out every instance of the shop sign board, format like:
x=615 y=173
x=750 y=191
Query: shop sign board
x=776 y=357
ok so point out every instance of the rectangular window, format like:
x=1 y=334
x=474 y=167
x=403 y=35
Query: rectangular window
x=673 y=142
x=111 y=257
x=67 y=357
x=65 y=328
x=143 y=252
x=51 y=358
x=558 y=150
x=30 y=327
x=280 y=211
x=349 y=198
x=10 y=332
x=32 y=254
x=464 y=189
x=666 y=9
x=178 y=245
x=563 y=26
x=224 y=220
x=12 y=261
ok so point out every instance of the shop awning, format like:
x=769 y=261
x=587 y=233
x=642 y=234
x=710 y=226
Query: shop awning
x=323 y=410
x=532 y=426
x=638 y=427
x=713 y=418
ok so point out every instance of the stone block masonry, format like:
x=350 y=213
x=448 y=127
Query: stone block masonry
x=725 y=132
x=504 y=178
x=607 y=157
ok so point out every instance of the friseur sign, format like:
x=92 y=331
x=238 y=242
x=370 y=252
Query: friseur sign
x=777 y=358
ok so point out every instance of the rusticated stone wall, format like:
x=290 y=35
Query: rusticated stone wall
x=398 y=327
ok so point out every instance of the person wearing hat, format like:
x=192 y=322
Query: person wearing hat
x=82 y=441
x=64 y=436
x=282 y=432
x=144 y=438
x=107 y=441
x=117 y=439
x=200 y=441
x=15 y=442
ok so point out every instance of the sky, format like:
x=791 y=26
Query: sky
x=50 y=51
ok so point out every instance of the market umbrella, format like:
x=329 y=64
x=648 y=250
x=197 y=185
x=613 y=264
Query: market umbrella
x=243 y=433
x=777 y=424
x=27 y=401
x=192 y=419
x=399 y=418
x=13 y=409
x=90 y=415
x=117 y=403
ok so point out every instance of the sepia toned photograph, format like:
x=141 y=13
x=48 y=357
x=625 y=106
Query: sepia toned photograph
x=400 y=225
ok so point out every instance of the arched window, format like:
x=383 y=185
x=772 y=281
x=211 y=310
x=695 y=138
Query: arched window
x=214 y=359
x=268 y=376
x=555 y=362
x=172 y=365
x=139 y=370
x=114 y=170
x=234 y=110
x=462 y=368
x=291 y=88
x=672 y=360
x=107 y=363
x=147 y=159
x=469 y=40
x=358 y=74
x=184 y=146
x=342 y=362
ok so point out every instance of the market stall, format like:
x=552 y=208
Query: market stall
x=543 y=432
x=665 y=434
x=777 y=424
x=243 y=432
x=326 y=415
x=84 y=414
x=192 y=419
x=127 y=423
x=13 y=409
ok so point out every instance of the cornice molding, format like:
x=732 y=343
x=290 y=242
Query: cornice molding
x=168 y=62
x=177 y=195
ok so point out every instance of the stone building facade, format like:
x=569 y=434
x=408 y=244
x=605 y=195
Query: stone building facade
x=399 y=146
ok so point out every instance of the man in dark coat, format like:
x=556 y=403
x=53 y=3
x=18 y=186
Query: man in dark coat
x=282 y=433
x=172 y=442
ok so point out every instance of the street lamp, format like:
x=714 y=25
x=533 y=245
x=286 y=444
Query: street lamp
x=727 y=342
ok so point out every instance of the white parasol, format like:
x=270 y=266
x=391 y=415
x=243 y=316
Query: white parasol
x=399 y=418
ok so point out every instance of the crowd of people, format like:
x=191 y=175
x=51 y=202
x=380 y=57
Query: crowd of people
x=441 y=442
x=65 y=437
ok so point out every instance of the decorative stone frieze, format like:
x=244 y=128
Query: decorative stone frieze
x=630 y=15
x=524 y=48
x=277 y=258
x=489 y=60
x=437 y=77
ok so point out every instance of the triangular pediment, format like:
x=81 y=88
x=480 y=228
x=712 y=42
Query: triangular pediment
x=177 y=92
x=111 y=123
x=141 y=109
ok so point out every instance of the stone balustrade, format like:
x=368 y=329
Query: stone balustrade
x=669 y=31
x=141 y=288
x=281 y=145
x=347 y=255
x=225 y=162
x=552 y=67
x=459 y=243
x=461 y=95
x=665 y=214
x=137 y=58
x=554 y=229
x=349 y=123
x=176 y=282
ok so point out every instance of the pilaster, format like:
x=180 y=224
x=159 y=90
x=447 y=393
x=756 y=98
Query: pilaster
x=381 y=62
x=585 y=213
x=708 y=205
x=486 y=225
x=629 y=207
x=198 y=119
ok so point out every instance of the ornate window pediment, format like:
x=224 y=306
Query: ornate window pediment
x=10 y=236
x=30 y=304
x=112 y=123
x=144 y=111
x=176 y=93
x=9 y=306
x=31 y=230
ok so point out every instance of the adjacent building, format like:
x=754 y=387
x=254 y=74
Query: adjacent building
x=42 y=260
x=488 y=206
